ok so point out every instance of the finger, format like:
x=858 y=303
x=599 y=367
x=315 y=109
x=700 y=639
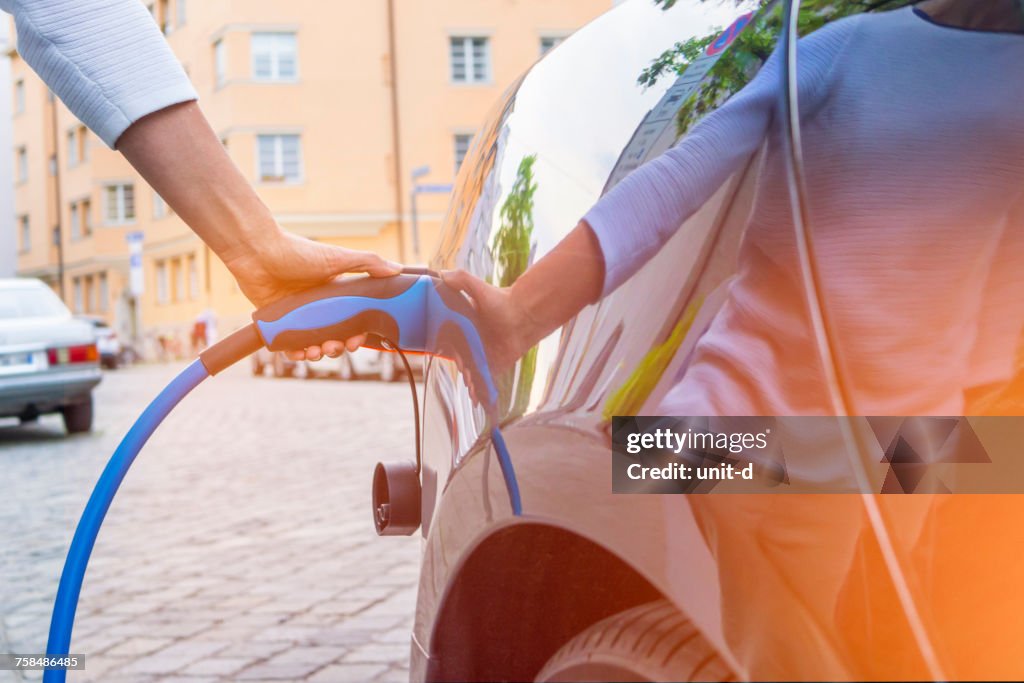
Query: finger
x=354 y=261
x=313 y=353
x=295 y=355
x=333 y=349
x=465 y=282
x=355 y=342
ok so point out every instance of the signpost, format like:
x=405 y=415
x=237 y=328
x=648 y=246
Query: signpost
x=418 y=189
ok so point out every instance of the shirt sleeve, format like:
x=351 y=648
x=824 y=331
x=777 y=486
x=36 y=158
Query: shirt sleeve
x=105 y=59
x=642 y=212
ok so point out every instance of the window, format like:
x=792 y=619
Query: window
x=274 y=57
x=72 y=148
x=280 y=159
x=22 y=165
x=193 y=278
x=159 y=206
x=90 y=295
x=462 y=141
x=82 y=140
x=76 y=223
x=470 y=59
x=86 y=217
x=161 y=282
x=220 y=62
x=26 y=234
x=182 y=12
x=19 y=96
x=76 y=283
x=104 y=294
x=547 y=43
x=179 y=280
x=120 y=200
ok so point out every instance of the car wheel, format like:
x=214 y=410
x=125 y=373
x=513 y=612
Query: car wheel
x=78 y=417
x=388 y=371
x=345 y=370
x=651 y=642
x=279 y=368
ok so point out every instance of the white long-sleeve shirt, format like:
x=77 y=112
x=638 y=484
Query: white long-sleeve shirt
x=105 y=59
x=913 y=139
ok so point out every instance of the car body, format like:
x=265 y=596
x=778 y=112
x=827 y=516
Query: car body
x=107 y=343
x=49 y=362
x=506 y=597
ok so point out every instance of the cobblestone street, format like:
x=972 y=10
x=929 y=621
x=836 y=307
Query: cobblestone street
x=240 y=546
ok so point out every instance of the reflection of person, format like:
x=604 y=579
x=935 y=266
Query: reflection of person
x=108 y=63
x=912 y=134
x=909 y=226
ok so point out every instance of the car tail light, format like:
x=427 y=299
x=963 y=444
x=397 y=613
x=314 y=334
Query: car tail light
x=84 y=353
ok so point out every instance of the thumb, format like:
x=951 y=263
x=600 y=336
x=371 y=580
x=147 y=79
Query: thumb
x=350 y=261
x=464 y=281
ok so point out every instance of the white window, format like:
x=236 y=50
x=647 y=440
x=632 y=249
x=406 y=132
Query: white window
x=280 y=158
x=83 y=143
x=19 y=96
x=120 y=199
x=462 y=141
x=26 y=234
x=79 y=297
x=76 y=222
x=547 y=43
x=159 y=206
x=104 y=293
x=161 y=282
x=72 y=148
x=274 y=57
x=182 y=10
x=22 y=165
x=470 y=59
x=220 y=62
x=91 y=294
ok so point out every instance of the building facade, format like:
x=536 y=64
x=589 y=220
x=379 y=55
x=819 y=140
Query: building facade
x=327 y=108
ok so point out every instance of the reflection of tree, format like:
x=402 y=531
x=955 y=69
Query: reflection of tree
x=750 y=50
x=511 y=253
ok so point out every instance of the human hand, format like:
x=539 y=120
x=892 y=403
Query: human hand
x=287 y=263
x=505 y=326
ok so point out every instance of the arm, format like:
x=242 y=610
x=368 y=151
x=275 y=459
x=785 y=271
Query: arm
x=108 y=62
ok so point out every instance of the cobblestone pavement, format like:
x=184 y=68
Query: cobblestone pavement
x=240 y=546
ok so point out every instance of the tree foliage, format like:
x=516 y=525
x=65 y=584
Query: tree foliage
x=748 y=53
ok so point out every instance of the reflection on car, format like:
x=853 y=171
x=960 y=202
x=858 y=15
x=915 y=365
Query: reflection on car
x=49 y=362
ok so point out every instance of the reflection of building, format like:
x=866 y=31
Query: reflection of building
x=302 y=95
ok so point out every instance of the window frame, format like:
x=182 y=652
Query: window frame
x=456 y=138
x=19 y=96
x=220 y=63
x=469 y=59
x=24 y=234
x=21 y=164
x=278 y=159
x=121 y=193
x=274 y=52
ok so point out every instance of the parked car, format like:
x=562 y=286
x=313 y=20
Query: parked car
x=110 y=349
x=363 y=363
x=49 y=362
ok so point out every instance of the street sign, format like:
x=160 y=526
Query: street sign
x=135 y=278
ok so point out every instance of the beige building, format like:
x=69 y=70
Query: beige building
x=327 y=107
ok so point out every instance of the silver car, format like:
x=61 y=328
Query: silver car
x=49 y=362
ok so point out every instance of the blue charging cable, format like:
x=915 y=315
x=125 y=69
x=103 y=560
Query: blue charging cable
x=96 y=509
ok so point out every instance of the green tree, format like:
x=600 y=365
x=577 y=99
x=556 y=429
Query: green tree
x=511 y=253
